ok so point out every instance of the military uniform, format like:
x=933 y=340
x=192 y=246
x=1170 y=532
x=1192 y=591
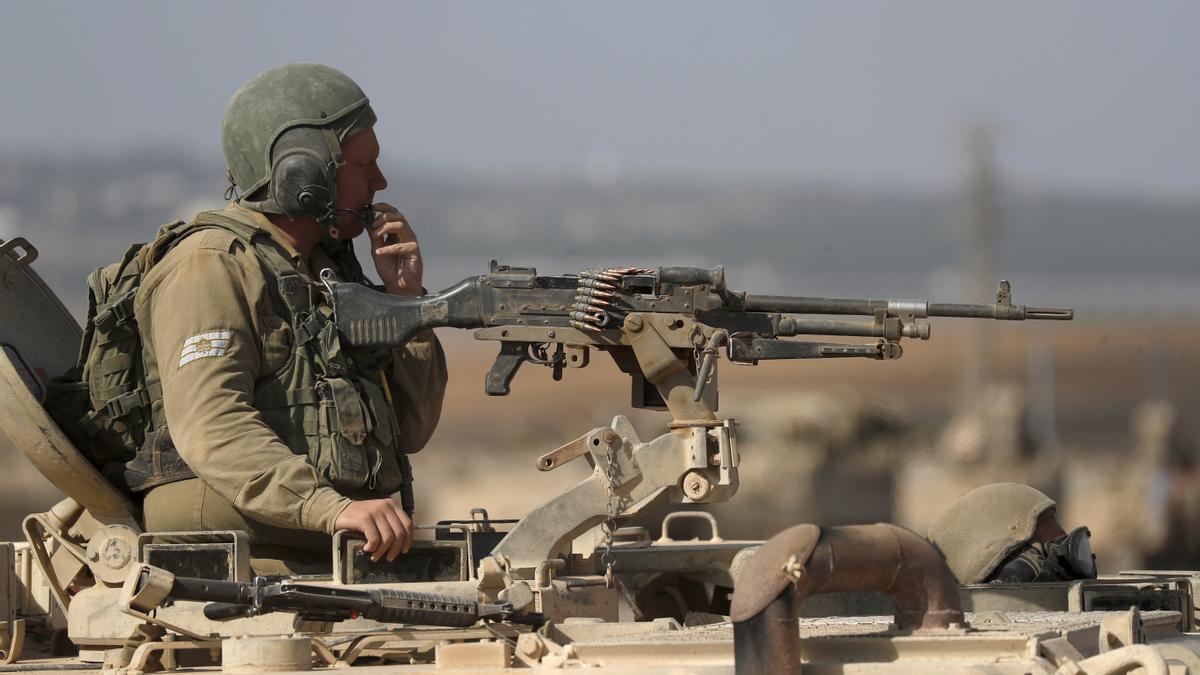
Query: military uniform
x=278 y=439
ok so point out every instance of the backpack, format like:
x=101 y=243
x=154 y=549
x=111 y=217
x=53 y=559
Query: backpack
x=102 y=403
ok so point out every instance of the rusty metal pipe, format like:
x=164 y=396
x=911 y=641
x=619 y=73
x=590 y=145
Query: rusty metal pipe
x=769 y=641
x=806 y=560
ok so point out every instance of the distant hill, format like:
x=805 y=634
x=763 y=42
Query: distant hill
x=1110 y=254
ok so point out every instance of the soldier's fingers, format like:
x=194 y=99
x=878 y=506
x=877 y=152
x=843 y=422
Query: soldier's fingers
x=367 y=527
x=408 y=529
x=393 y=216
x=387 y=537
x=392 y=233
x=394 y=221
x=400 y=544
x=406 y=248
x=399 y=229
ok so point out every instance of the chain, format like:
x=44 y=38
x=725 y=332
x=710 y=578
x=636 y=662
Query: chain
x=595 y=309
x=609 y=526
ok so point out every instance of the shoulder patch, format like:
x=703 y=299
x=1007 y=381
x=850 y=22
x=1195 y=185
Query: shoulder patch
x=205 y=345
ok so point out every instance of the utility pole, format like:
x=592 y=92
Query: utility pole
x=982 y=228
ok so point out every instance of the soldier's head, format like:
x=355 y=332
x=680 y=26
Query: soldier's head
x=1009 y=533
x=299 y=143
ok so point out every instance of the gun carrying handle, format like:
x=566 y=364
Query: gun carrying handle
x=504 y=368
x=693 y=276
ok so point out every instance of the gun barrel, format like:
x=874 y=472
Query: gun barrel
x=787 y=304
x=1049 y=313
x=794 y=304
x=1001 y=312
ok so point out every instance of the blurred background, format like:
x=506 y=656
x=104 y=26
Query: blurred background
x=917 y=149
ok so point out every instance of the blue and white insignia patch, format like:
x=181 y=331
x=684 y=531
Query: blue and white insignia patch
x=204 y=345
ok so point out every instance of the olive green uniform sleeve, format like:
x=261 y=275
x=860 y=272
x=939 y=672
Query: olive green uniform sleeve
x=201 y=320
x=419 y=375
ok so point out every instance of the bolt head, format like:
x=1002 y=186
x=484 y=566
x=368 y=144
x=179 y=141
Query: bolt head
x=696 y=486
x=634 y=323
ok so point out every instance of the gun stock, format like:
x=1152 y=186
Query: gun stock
x=369 y=318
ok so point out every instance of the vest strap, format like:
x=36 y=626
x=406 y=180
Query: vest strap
x=119 y=312
x=126 y=404
x=286 y=399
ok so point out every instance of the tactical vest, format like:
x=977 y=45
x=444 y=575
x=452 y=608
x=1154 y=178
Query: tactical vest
x=331 y=405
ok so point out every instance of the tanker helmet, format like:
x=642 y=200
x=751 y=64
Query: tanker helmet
x=282 y=135
x=980 y=529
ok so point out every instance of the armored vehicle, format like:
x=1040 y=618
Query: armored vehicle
x=577 y=582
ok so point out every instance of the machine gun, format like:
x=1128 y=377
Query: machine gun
x=605 y=307
x=665 y=327
x=149 y=587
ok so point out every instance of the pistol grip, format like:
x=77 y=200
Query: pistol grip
x=226 y=611
x=508 y=361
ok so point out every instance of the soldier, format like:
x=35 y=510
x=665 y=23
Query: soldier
x=274 y=429
x=1008 y=533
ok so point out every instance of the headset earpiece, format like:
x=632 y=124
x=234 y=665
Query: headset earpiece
x=302 y=179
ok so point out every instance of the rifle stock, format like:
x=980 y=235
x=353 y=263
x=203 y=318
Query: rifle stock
x=369 y=318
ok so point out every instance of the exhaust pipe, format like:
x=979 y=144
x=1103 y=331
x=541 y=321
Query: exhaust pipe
x=807 y=560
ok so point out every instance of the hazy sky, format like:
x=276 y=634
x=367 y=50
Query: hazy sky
x=1098 y=95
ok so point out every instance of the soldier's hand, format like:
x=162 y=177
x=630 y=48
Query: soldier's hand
x=388 y=529
x=395 y=251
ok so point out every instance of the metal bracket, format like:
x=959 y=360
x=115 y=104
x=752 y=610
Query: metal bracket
x=42 y=556
x=139 y=602
x=665 y=538
x=576 y=448
x=27 y=255
x=625 y=467
x=664 y=368
x=142 y=655
x=1121 y=630
x=14 y=643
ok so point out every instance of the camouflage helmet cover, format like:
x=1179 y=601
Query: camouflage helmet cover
x=280 y=99
x=980 y=529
